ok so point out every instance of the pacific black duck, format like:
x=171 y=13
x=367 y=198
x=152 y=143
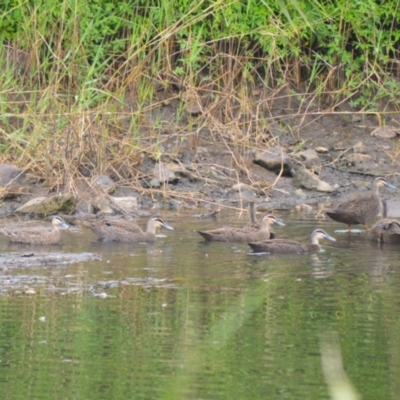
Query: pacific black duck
x=228 y=234
x=385 y=230
x=253 y=224
x=37 y=235
x=360 y=209
x=126 y=231
x=285 y=246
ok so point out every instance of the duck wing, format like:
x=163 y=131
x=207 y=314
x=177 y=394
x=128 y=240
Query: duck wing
x=129 y=226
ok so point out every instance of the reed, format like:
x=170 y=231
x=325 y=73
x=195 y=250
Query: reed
x=92 y=86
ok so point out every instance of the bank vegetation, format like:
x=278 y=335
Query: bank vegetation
x=96 y=86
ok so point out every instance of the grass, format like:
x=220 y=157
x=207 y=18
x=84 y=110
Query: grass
x=100 y=86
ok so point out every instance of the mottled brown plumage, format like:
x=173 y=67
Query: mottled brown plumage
x=124 y=224
x=37 y=235
x=126 y=231
x=286 y=246
x=360 y=209
x=228 y=234
x=385 y=230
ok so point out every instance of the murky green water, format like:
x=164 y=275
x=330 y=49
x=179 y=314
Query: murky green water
x=181 y=319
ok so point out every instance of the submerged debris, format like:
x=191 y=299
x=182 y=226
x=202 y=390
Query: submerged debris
x=211 y=214
x=28 y=260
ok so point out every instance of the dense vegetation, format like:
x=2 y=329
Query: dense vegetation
x=83 y=83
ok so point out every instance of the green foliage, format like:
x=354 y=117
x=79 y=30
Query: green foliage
x=354 y=35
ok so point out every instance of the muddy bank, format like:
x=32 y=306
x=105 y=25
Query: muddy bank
x=340 y=157
x=342 y=153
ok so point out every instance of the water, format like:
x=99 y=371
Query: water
x=181 y=319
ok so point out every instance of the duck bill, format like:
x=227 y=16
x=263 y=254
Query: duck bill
x=280 y=223
x=65 y=225
x=390 y=186
x=332 y=239
x=168 y=227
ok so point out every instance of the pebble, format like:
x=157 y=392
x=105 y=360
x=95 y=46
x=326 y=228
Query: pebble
x=386 y=132
x=305 y=208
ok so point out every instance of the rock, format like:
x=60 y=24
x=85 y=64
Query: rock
x=359 y=147
x=6 y=208
x=102 y=295
x=244 y=191
x=356 y=118
x=299 y=192
x=192 y=102
x=104 y=183
x=166 y=173
x=101 y=204
x=339 y=146
x=358 y=162
x=214 y=173
x=12 y=179
x=200 y=151
x=11 y=175
x=308 y=180
x=304 y=208
x=171 y=204
x=386 y=132
x=126 y=203
x=274 y=159
x=109 y=204
x=309 y=158
x=241 y=187
x=174 y=204
x=321 y=150
x=65 y=203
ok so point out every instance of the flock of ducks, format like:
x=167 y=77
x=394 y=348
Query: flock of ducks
x=259 y=236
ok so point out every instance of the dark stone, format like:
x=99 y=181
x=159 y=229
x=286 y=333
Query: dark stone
x=274 y=159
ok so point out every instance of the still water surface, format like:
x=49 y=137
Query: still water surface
x=182 y=319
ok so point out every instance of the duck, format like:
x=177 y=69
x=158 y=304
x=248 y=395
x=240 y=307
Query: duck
x=228 y=234
x=126 y=231
x=286 y=246
x=386 y=230
x=253 y=224
x=37 y=235
x=360 y=209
